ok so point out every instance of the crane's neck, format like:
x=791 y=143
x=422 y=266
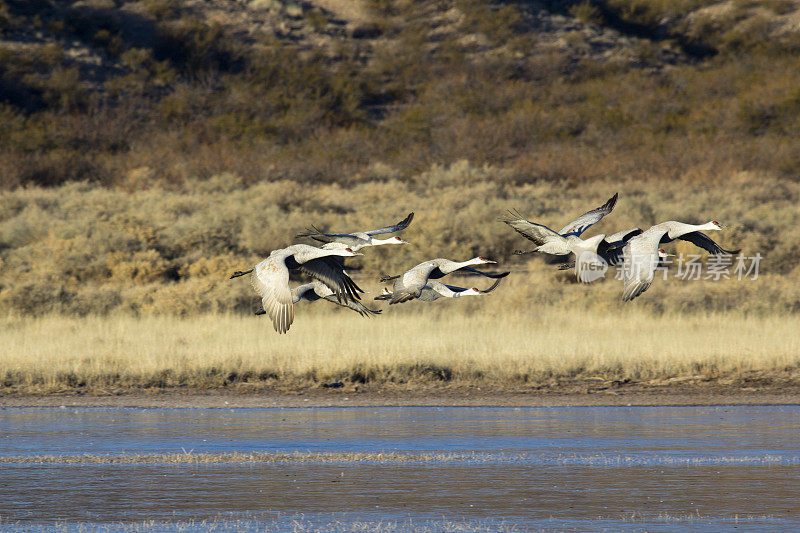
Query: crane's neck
x=682 y=228
x=469 y=262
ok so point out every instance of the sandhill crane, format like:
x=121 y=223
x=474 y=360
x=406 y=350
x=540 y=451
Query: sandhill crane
x=433 y=290
x=360 y=239
x=270 y=279
x=610 y=249
x=641 y=254
x=587 y=252
x=409 y=285
x=577 y=226
x=311 y=292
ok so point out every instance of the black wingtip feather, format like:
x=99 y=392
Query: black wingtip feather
x=406 y=221
x=609 y=205
x=311 y=232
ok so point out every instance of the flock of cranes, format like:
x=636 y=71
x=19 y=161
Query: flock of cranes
x=637 y=251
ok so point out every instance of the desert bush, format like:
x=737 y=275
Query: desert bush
x=195 y=46
x=63 y=248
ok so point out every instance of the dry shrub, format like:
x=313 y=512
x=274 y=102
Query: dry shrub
x=159 y=251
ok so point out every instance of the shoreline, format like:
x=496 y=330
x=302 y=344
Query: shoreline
x=685 y=395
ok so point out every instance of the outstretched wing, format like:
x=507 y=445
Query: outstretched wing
x=331 y=272
x=403 y=224
x=639 y=261
x=270 y=280
x=320 y=236
x=589 y=218
x=353 y=238
x=707 y=243
x=486 y=274
x=490 y=289
x=623 y=236
x=536 y=233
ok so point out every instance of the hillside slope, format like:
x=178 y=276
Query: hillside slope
x=99 y=90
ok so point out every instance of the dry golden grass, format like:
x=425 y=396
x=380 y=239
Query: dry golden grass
x=521 y=346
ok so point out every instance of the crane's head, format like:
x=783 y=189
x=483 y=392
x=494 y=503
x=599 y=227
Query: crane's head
x=662 y=254
x=390 y=240
x=348 y=252
x=469 y=292
x=715 y=225
x=483 y=261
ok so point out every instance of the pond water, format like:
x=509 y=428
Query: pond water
x=570 y=468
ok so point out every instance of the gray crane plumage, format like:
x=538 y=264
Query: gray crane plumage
x=358 y=239
x=409 y=285
x=311 y=292
x=587 y=252
x=589 y=218
x=270 y=279
x=542 y=235
x=433 y=290
x=640 y=255
x=610 y=248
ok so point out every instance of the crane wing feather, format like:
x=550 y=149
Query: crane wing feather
x=492 y=287
x=331 y=273
x=536 y=233
x=403 y=224
x=623 y=236
x=486 y=274
x=702 y=240
x=589 y=218
x=639 y=261
x=355 y=237
x=270 y=280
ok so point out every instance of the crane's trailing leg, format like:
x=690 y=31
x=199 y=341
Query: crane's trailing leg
x=240 y=273
x=523 y=252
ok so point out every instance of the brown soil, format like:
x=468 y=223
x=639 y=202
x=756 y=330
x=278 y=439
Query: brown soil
x=674 y=394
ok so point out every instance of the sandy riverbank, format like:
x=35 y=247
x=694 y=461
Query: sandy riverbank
x=574 y=395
